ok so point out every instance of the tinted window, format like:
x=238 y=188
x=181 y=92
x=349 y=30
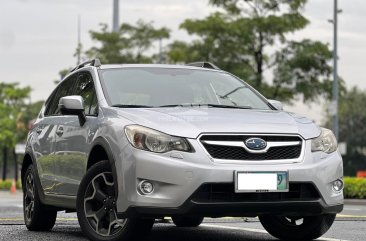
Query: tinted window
x=64 y=89
x=85 y=88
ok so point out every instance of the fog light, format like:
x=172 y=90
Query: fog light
x=145 y=187
x=338 y=185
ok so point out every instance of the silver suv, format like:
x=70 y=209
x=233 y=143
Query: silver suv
x=123 y=145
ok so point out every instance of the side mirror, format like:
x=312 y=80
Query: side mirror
x=276 y=104
x=73 y=105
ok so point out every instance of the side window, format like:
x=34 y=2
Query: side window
x=64 y=89
x=49 y=103
x=94 y=105
x=85 y=88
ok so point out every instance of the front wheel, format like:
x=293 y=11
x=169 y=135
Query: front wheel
x=297 y=228
x=37 y=216
x=96 y=208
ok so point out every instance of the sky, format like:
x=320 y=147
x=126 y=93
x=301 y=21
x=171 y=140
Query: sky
x=38 y=37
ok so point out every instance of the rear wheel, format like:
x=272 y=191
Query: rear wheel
x=186 y=221
x=37 y=216
x=297 y=228
x=96 y=208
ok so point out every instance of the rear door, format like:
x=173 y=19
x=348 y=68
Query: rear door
x=73 y=141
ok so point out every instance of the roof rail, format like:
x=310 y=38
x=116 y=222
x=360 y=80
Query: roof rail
x=93 y=62
x=207 y=65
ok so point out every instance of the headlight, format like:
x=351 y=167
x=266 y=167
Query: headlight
x=150 y=140
x=326 y=142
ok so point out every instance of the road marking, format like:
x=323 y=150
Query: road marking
x=67 y=219
x=349 y=216
x=11 y=219
x=352 y=209
x=254 y=230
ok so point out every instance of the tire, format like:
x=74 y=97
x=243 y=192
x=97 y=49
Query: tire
x=96 y=209
x=37 y=216
x=289 y=228
x=186 y=221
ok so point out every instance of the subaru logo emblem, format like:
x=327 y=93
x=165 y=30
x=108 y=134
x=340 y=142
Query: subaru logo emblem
x=256 y=143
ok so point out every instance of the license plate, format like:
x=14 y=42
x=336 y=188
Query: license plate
x=261 y=182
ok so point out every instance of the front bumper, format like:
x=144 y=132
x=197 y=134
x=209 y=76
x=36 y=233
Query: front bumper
x=247 y=209
x=177 y=176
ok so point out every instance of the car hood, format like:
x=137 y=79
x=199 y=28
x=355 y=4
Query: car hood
x=190 y=122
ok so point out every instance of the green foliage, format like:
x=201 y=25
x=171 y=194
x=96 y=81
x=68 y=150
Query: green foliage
x=130 y=44
x=5 y=185
x=302 y=67
x=13 y=126
x=354 y=187
x=241 y=38
x=352 y=129
x=219 y=42
x=32 y=110
x=15 y=115
x=248 y=38
x=261 y=7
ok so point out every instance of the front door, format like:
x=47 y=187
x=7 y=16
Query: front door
x=73 y=142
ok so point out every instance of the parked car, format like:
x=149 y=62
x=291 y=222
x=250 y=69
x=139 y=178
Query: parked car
x=123 y=145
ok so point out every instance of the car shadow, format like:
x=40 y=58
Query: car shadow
x=170 y=233
x=160 y=232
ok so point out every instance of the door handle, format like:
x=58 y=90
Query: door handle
x=60 y=131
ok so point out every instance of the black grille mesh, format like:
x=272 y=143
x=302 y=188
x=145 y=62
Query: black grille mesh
x=239 y=153
x=245 y=137
x=224 y=192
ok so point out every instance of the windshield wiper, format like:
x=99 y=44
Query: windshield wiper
x=167 y=106
x=206 y=105
x=232 y=92
x=132 y=106
x=228 y=106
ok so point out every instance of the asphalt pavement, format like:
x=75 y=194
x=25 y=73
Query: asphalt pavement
x=350 y=225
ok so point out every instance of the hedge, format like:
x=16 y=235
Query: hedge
x=355 y=187
x=5 y=185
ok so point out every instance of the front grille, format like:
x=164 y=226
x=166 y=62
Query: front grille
x=238 y=153
x=224 y=192
x=228 y=152
x=244 y=137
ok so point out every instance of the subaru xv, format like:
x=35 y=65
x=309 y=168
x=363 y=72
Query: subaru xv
x=123 y=145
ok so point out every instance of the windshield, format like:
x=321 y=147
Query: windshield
x=165 y=87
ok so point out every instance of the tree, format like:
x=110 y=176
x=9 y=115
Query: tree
x=12 y=124
x=352 y=129
x=303 y=67
x=131 y=44
x=31 y=112
x=243 y=39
